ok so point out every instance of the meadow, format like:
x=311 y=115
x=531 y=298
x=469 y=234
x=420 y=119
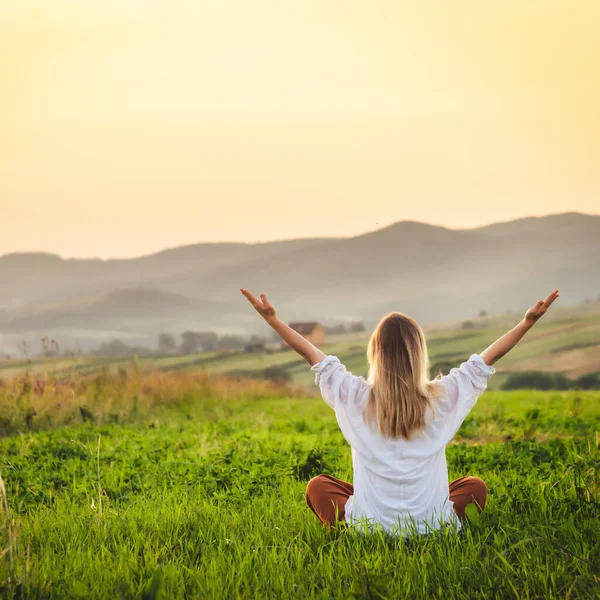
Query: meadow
x=148 y=484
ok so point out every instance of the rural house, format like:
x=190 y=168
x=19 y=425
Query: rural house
x=314 y=332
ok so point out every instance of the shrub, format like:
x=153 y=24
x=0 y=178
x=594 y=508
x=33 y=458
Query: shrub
x=591 y=381
x=166 y=343
x=277 y=374
x=443 y=367
x=538 y=380
x=357 y=327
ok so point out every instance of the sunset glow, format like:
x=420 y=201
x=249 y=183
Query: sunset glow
x=127 y=127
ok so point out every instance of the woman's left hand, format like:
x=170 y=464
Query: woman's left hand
x=264 y=308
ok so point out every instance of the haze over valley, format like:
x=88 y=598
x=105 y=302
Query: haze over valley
x=432 y=273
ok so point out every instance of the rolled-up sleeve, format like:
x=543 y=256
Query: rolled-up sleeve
x=464 y=385
x=335 y=382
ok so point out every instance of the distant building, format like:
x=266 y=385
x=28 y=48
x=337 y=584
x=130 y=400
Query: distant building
x=314 y=332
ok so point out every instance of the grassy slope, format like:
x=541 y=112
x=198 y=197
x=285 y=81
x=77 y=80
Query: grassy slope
x=208 y=502
x=568 y=340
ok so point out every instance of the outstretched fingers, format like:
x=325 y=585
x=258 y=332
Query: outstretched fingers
x=550 y=298
x=541 y=306
x=265 y=302
x=262 y=306
x=251 y=298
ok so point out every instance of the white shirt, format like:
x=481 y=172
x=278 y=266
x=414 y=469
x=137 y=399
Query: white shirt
x=401 y=484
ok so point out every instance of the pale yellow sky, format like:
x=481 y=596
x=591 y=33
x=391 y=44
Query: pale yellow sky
x=130 y=126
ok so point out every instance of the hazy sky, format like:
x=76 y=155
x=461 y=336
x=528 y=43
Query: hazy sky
x=127 y=126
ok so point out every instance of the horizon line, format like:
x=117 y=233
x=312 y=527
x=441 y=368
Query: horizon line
x=299 y=238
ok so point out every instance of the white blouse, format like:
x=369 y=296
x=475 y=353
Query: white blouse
x=401 y=485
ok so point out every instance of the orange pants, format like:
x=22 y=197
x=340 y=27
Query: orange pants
x=326 y=496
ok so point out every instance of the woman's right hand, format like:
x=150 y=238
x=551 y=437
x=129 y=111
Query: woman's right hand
x=264 y=308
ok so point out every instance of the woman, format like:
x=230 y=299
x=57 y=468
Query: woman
x=398 y=423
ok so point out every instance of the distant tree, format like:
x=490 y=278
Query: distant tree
x=115 y=347
x=483 y=313
x=231 y=342
x=209 y=341
x=468 y=325
x=166 y=343
x=190 y=342
x=357 y=327
x=196 y=341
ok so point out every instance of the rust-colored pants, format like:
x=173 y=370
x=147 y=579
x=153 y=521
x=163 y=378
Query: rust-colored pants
x=326 y=496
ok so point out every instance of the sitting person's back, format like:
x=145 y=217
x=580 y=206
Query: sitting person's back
x=401 y=483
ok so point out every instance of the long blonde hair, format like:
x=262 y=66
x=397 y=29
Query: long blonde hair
x=401 y=392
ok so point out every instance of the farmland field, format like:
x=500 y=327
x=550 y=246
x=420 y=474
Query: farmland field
x=568 y=340
x=150 y=485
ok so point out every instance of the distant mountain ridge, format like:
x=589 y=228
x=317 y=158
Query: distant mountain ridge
x=430 y=272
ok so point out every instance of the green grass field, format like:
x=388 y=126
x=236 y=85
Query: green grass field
x=179 y=487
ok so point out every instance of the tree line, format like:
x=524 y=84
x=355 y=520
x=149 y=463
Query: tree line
x=539 y=380
x=192 y=342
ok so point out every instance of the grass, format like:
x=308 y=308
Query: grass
x=197 y=490
x=132 y=395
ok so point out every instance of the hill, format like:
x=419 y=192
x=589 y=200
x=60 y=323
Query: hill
x=433 y=273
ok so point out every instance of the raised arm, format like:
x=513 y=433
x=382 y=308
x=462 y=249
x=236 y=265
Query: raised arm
x=509 y=340
x=300 y=344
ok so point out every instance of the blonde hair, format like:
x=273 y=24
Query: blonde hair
x=401 y=392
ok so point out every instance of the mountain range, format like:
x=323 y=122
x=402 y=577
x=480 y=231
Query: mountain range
x=432 y=273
